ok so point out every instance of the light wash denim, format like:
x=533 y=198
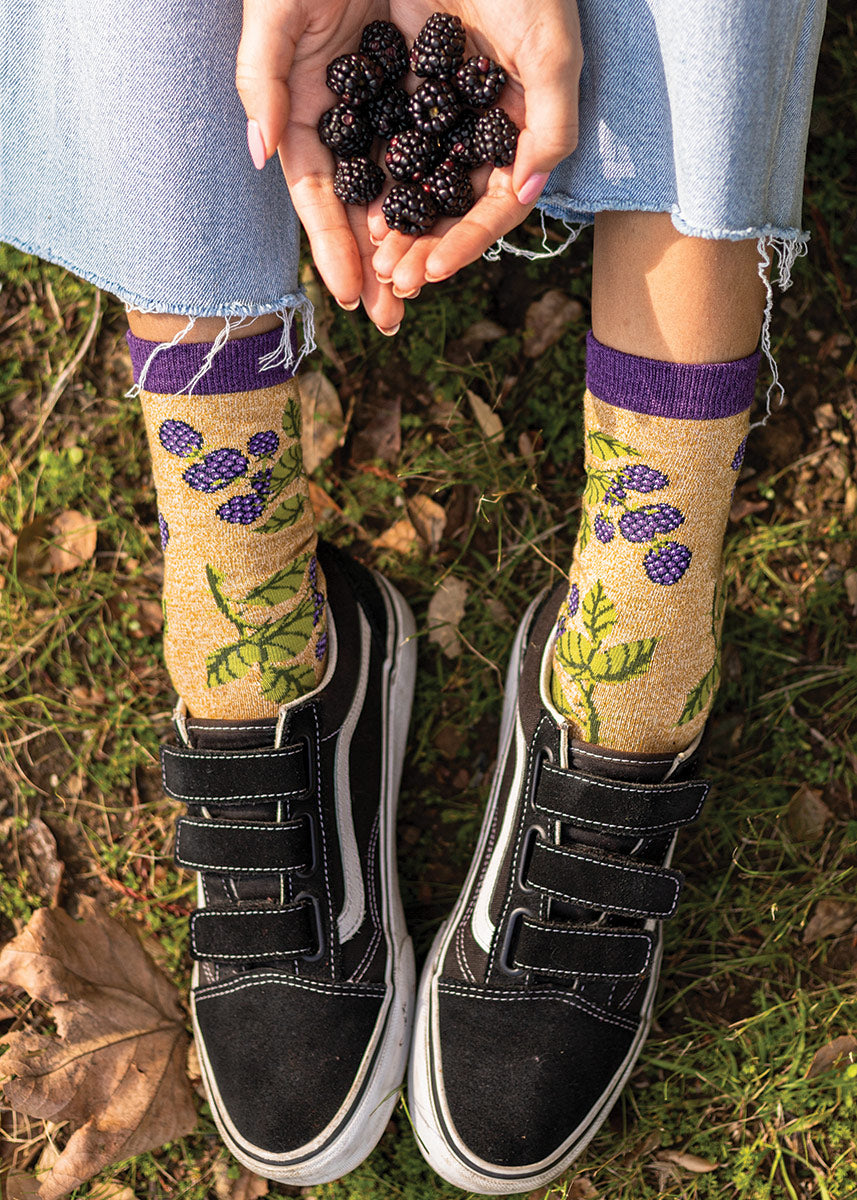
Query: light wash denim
x=123 y=153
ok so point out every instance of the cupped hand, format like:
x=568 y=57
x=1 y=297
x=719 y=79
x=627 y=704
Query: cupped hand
x=281 y=78
x=539 y=47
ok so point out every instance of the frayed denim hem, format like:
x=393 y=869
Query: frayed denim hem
x=784 y=244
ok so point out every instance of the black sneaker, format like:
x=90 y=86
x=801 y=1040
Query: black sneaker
x=303 y=983
x=537 y=995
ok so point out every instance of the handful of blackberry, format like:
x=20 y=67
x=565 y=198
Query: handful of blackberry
x=450 y=125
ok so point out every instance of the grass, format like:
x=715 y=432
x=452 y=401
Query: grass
x=745 y=1002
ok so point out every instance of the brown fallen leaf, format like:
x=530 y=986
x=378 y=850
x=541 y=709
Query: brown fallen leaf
x=486 y=418
x=429 y=520
x=37 y=848
x=850 y=580
x=7 y=541
x=150 y=614
x=247 y=1185
x=687 y=1162
x=73 y=536
x=381 y=437
x=321 y=412
x=468 y=347
x=116 y=1069
x=582 y=1188
x=807 y=814
x=840 y=1050
x=445 y=610
x=322 y=504
x=830 y=918
x=744 y=507
x=401 y=537
x=547 y=320
x=111 y=1189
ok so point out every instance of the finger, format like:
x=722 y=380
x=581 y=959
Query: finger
x=265 y=55
x=382 y=307
x=495 y=213
x=550 y=132
x=308 y=169
x=388 y=255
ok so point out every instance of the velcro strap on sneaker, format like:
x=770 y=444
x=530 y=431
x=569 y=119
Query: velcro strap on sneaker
x=574 y=950
x=609 y=883
x=622 y=808
x=239 y=847
x=235 y=776
x=253 y=934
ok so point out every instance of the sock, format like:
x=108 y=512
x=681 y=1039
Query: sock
x=244 y=623
x=637 y=655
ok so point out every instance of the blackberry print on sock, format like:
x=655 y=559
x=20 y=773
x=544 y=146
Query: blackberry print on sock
x=244 y=595
x=637 y=655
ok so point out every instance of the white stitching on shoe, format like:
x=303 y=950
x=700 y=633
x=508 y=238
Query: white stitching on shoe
x=565 y=854
x=332 y=925
x=559 y=931
x=261 y=979
x=231 y=825
x=374 y=839
x=178 y=752
x=574 y=1001
x=230 y=728
x=243 y=912
x=634 y=762
x=461 y=932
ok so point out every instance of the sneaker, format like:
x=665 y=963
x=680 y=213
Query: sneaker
x=537 y=994
x=303 y=981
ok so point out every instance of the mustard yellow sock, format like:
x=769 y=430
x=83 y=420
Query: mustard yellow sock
x=244 y=616
x=637 y=654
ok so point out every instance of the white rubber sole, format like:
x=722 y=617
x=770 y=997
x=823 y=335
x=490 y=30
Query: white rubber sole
x=438 y=1140
x=362 y=1118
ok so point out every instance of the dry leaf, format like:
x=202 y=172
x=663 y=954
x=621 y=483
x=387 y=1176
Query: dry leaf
x=429 y=520
x=73 y=536
x=688 y=1162
x=445 y=610
x=830 y=919
x=7 y=541
x=468 y=346
x=547 y=320
x=807 y=814
x=21 y=1185
x=381 y=437
x=832 y=1054
x=321 y=412
x=401 y=537
x=486 y=418
x=247 y=1186
x=850 y=580
x=582 y=1189
x=37 y=848
x=111 y=1189
x=150 y=614
x=116 y=1070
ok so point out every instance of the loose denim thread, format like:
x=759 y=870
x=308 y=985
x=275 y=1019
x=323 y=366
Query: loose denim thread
x=282 y=355
x=493 y=253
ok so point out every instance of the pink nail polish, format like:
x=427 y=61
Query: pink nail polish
x=532 y=188
x=256 y=145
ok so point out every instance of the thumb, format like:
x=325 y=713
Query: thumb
x=550 y=131
x=265 y=54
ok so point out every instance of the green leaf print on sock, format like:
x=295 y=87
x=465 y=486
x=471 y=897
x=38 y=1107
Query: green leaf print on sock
x=292 y=418
x=701 y=695
x=589 y=663
x=285 y=514
x=603 y=446
x=286 y=470
x=277 y=641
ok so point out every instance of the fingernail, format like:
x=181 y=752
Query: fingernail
x=383 y=278
x=256 y=145
x=348 y=307
x=405 y=295
x=375 y=241
x=532 y=187
x=436 y=278
x=390 y=332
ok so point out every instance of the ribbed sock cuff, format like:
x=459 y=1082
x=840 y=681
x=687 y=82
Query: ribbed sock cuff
x=234 y=368
x=690 y=391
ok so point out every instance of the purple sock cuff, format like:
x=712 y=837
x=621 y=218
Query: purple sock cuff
x=692 y=391
x=235 y=367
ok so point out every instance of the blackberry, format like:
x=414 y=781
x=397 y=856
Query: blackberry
x=216 y=470
x=641 y=524
x=382 y=41
x=344 y=131
x=355 y=77
x=438 y=50
x=480 y=82
x=177 y=437
x=164 y=530
x=434 y=107
x=459 y=142
x=357 y=180
x=241 y=510
x=388 y=113
x=640 y=478
x=738 y=460
x=261 y=482
x=411 y=155
x=604 y=530
x=666 y=564
x=409 y=209
x=496 y=137
x=451 y=190
x=264 y=444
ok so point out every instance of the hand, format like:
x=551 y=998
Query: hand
x=280 y=74
x=539 y=47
